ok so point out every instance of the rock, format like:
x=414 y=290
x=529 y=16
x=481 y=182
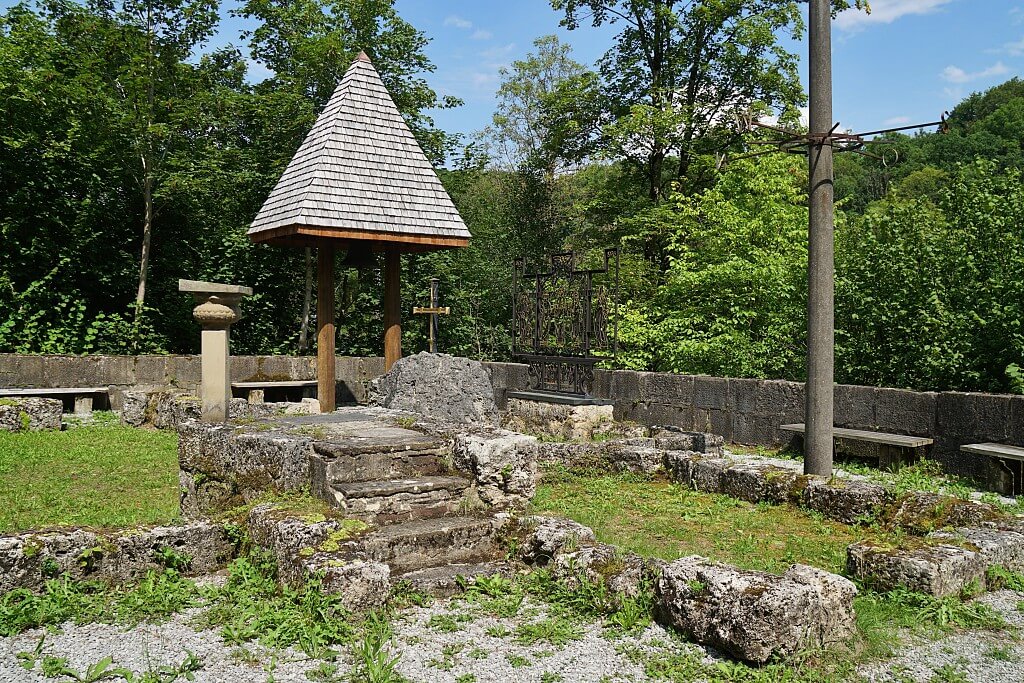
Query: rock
x=546 y=537
x=700 y=442
x=29 y=414
x=922 y=512
x=624 y=574
x=755 y=616
x=173 y=409
x=27 y=560
x=308 y=406
x=310 y=546
x=636 y=459
x=756 y=482
x=441 y=387
x=363 y=584
x=136 y=408
x=679 y=465
x=575 y=423
x=503 y=464
x=844 y=500
x=706 y=474
x=996 y=546
x=937 y=570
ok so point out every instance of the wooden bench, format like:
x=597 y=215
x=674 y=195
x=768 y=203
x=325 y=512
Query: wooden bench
x=82 y=397
x=256 y=391
x=1006 y=470
x=892 y=448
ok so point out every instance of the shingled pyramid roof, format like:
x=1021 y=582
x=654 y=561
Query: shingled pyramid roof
x=361 y=175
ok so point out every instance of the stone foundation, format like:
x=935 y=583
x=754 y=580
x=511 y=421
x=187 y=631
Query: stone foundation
x=28 y=560
x=30 y=414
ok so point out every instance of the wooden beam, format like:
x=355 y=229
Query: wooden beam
x=296 y=233
x=392 y=308
x=325 y=375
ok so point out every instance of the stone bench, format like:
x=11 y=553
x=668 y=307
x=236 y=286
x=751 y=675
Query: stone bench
x=256 y=391
x=892 y=448
x=82 y=397
x=1006 y=465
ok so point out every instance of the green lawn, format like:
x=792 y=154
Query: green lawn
x=98 y=476
x=656 y=518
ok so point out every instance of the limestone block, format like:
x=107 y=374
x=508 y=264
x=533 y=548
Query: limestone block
x=29 y=414
x=441 y=387
x=742 y=395
x=844 y=500
x=679 y=465
x=547 y=537
x=624 y=385
x=779 y=397
x=636 y=459
x=922 y=512
x=624 y=574
x=664 y=387
x=503 y=464
x=136 y=408
x=576 y=423
x=996 y=546
x=27 y=560
x=905 y=412
x=756 y=482
x=363 y=584
x=755 y=616
x=702 y=442
x=937 y=570
x=706 y=474
x=710 y=392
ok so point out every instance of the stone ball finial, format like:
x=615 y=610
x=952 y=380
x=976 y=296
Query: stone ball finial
x=217 y=313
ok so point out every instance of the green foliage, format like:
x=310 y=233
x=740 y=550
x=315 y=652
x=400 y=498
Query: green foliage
x=156 y=597
x=252 y=606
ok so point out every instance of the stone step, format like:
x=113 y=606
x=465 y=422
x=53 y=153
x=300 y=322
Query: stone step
x=395 y=500
x=443 y=581
x=334 y=463
x=432 y=543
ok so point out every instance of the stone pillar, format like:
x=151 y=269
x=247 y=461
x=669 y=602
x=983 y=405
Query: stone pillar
x=216 y=311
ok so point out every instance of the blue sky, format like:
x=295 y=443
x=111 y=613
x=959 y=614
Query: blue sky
x=906 y=62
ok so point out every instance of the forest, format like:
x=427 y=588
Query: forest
x=131 y=156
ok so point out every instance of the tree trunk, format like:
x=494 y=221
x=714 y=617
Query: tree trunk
x=306 y=298
x=147 y=235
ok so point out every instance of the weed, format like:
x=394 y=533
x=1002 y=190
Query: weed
x=550 y=677
x=999 y=577
x=252 y=606
x=448 y=623
x=325 y=673
x=167 y=556
x=499 y=631
x=374 y=661
x=556 y=630
x=950 y=673
x=478 y=653
x=517 y=661
x=1001 y=654
x=465 y=678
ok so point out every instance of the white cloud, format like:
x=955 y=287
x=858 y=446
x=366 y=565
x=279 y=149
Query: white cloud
x=954 y=74
x=886 y=12
x=1014 y=48
x=897 y=121
x=500 y=52
x=481 y=34
x=458 y=22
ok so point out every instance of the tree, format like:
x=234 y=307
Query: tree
x=681 y=70
x=309 y=44
x=529 y=102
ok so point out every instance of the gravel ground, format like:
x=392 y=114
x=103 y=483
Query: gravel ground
x=977 y=656
x=429 y=653
x=451 y=640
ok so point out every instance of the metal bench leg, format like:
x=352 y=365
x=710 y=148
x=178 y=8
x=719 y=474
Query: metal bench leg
x=83 y=405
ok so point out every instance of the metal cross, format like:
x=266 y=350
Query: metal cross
x=433 y=311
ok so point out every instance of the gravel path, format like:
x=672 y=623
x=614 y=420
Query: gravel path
x=455 y=641
x=977 y=656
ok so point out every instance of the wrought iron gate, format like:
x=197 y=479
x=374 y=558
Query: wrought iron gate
x=565 y=320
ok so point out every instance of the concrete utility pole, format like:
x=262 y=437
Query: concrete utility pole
x=818 y=408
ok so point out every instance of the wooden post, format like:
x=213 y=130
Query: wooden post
x=325 y=376
x=392 y=309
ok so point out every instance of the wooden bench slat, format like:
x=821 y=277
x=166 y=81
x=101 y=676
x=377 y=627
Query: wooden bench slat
x=862 y=435
x=999 y=450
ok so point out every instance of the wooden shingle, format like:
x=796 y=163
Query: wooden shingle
x=360 y=174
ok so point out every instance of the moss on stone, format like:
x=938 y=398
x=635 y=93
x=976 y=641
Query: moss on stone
x=350 y=528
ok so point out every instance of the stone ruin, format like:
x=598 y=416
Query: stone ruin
x=428 y=484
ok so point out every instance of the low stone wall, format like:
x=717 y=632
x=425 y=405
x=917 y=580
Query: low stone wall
x=28 y=560
x=30 y=414
x=750 y=411
x=119 y=373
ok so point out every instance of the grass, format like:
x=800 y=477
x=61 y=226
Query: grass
x=659 y=519
x=98 y=476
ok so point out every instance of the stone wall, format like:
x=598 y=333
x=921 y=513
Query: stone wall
x=119 y=373
x=750 y=411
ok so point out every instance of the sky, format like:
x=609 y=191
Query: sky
x=906 y=62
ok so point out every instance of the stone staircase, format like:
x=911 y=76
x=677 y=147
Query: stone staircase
x=424 y=522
